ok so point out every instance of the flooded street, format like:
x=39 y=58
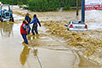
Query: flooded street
x=16 y=55
x=55 y=46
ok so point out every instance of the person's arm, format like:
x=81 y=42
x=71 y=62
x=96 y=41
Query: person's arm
x=24 y=27
x=39 y=22
x=26 y=18
x=32 y=21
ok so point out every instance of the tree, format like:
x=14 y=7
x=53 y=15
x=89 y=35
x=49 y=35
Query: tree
x=44 y=5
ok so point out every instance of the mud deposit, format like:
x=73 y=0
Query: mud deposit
x=55 y=46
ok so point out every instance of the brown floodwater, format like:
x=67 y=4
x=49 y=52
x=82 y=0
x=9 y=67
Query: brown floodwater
x=51 y=50
x=15 y=54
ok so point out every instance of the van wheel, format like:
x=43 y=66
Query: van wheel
x=12 y=19
x=1 y=20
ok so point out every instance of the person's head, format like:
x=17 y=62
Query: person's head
x=24 y=21
x=34 y=15
x=27 y=14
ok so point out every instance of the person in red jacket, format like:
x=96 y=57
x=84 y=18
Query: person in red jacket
x=23 y=31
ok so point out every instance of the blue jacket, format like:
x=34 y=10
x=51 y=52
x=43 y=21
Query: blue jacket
x=35 y=21
x=27 y=18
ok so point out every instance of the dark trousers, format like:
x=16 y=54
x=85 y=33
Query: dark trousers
x=25 y=38
x=34 y=29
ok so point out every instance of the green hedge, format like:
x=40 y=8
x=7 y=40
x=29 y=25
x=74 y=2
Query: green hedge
x=51 y=5
x=44 y=5
x=14 y=2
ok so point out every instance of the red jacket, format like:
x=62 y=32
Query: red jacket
x=22 y=30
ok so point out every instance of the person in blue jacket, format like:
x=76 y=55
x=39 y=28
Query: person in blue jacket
x=35 y=21
x=28 y=20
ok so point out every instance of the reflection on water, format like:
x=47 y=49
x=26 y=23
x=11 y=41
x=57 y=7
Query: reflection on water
x=6 y=29
x=24 y=53
x=36 y=36
x=32 y=37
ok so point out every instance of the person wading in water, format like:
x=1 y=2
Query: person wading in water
x=35 y=21
x=23 y=31
x=28 y=20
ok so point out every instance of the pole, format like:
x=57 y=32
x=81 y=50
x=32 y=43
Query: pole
x=77 y=7
x=82 y=11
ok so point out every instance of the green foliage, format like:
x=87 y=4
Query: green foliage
x=44 y=5
x=14 y=2
x=50 y=5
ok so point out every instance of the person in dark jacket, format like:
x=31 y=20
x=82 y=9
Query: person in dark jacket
x=35 y=21
x=28 y=20
x=23 y=31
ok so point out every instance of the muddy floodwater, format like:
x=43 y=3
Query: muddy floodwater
x=55 y=47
